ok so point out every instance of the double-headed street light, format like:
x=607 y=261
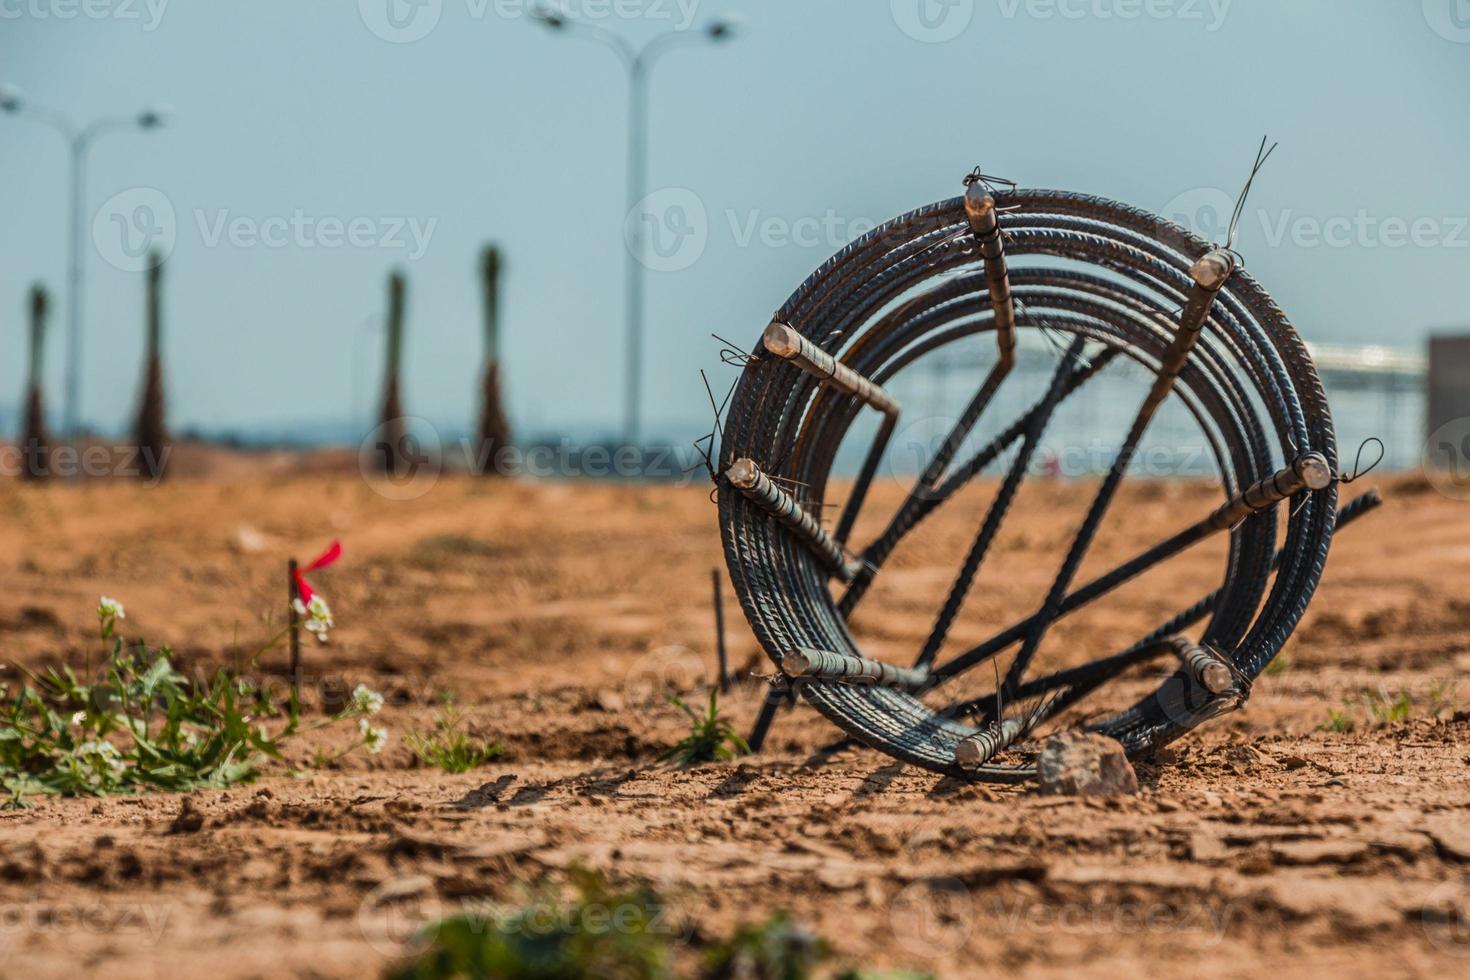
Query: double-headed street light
x=79 y=140
x=637 y=61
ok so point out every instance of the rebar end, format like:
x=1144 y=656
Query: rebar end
x=1213 y=269
x=781 y=340
x=967 y=754
x=979 y=208
x=1216 y=678
x=743 y=473
x=796 y=663
x=1314 y=471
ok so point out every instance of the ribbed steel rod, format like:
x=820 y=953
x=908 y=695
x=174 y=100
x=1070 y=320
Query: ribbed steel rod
x=829 y=666
x=1151 y=646
x=747 y=477
x=919 y=506
x=784 y=342
x=1206 y=665
x=1210 y=273
x=1309 y=472
x=1037 y=423
x=981 y=214
x=986 y=744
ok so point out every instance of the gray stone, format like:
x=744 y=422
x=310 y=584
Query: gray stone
x=1085 y=764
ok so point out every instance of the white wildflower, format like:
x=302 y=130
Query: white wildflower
x=366 y=701
x=373 y=738
x=299 y=607
x=103 y=748
x=318 y=617
x=110 y=608
x=78 y=718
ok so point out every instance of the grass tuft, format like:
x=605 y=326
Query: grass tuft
x=711 y=737
x=449 y=746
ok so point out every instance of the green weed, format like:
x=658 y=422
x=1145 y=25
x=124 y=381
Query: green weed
x=711 y=737
x=449 y=746
x=142 y=726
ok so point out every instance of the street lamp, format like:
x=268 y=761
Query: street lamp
x=78 y=139
x=637 y=62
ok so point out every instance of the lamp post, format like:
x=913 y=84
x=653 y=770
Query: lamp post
x=79 y=141
x=637 y=61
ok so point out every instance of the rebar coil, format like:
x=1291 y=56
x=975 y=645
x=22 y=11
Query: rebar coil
x=1079 y=265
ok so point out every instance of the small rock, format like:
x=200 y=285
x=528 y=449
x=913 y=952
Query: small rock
x=189 y=820
x=1085 y=764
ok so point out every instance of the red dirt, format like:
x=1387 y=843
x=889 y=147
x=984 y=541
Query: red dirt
x=560 y=616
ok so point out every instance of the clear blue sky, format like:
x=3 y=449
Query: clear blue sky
x=825 y=110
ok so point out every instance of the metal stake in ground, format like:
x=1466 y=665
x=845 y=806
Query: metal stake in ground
x=293 y=596
x=720 y=631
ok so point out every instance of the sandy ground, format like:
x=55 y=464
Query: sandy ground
x=560 y=617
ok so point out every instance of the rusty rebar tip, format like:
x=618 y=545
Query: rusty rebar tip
x=1213 y=269
x=743 y=473
x=979 y=206
x=796 y=663
x=1314 y=471
x=781 y=340
x=968 y=754
x=1216 y=678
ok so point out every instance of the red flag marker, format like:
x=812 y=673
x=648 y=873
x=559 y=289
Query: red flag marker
x=303 y=587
